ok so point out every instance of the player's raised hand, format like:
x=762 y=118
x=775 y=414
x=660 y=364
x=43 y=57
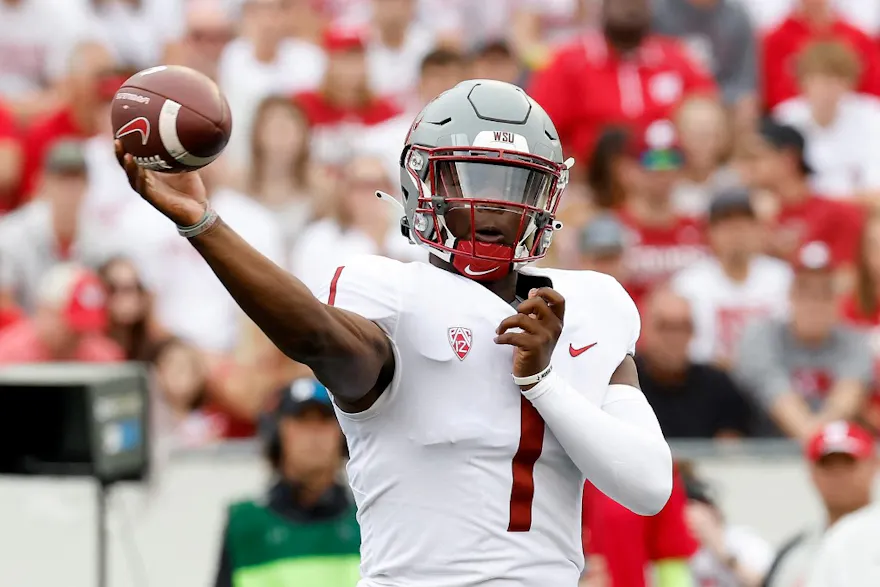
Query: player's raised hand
x=540 y=319
x=179 y=196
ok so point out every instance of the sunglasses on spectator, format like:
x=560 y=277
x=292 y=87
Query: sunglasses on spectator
x=125 y=288
x=220 y=37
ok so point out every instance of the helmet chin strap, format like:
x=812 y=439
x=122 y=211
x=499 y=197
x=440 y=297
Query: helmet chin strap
x=482 y=269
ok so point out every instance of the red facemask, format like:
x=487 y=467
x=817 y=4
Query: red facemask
x=479 y=260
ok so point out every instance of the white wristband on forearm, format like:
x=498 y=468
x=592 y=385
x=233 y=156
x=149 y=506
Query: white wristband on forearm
x=208 y=220
x=532 y=379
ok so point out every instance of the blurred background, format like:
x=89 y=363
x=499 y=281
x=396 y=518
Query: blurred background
x=728 y=174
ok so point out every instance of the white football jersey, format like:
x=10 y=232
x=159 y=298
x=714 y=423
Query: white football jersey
x=723 y=308
x=457 y=480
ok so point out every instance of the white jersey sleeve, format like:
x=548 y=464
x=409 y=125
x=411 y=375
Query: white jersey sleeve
x=369 y=286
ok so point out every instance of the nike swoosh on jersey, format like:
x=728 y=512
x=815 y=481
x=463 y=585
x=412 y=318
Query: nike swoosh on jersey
x=470 y=271
x=577 y=352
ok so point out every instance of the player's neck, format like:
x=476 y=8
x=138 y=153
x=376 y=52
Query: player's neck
x=504 y=288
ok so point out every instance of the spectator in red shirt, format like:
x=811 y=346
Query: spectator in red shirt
x=340 y=109
x=91 y=83
x=777 y=165
x=620 y=76
x=661 y=241
x=812 y=20
x=629 y=543
x=68 y=324
x=11 y=157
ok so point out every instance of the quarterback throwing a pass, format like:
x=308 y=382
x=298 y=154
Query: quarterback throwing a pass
x=476 y=393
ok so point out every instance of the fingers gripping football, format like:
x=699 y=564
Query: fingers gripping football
x=180 y=197
x=539 y=322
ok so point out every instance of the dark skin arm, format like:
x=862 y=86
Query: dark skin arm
x=349 y=354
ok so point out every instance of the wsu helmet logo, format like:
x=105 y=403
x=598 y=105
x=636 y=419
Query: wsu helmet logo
x=139 y=124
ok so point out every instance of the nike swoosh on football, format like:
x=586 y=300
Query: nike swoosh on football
x=470 y=271
x=577 y=352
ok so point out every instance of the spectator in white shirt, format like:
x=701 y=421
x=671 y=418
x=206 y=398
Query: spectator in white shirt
x=281 y=175
x=451 y=20
x=134 y=34
x=207 y=30
x=263 y=62
x=843 y=463
x=849 y=554
x=440 y=70
x=35 y=39
x=396 y=46
x=734 y=286
x=48 y=230
x=357 y=223
x=841 y=128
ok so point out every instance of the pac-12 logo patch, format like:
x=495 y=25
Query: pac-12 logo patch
x=139 y=124
x=460 y=339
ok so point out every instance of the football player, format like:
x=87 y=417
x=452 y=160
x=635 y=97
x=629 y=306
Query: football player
x=476 y=393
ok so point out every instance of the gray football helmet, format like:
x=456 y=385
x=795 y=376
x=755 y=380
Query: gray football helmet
x=478 y=152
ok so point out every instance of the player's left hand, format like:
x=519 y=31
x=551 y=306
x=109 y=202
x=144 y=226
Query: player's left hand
x=540 y=318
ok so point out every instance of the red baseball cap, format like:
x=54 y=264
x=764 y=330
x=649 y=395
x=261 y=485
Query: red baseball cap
x=339 y=39
x=78 y=294
x=840 y=437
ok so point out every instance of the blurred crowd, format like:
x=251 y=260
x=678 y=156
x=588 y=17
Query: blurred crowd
x=727 y=174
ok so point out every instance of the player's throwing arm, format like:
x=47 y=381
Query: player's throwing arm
x=348 y=353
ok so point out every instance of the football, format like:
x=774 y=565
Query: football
x=171 y=119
